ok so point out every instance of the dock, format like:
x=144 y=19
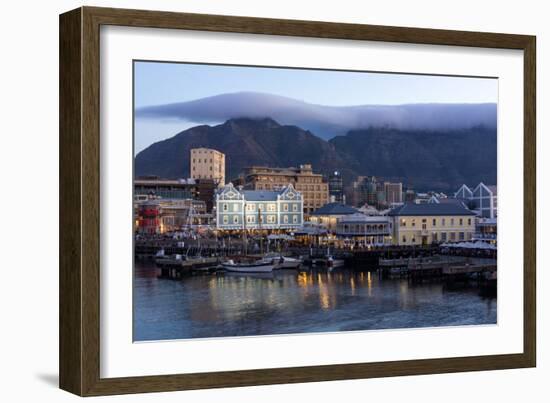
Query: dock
x=448 y=267
x=174 y=268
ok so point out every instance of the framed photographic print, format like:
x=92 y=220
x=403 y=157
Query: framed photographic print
x=249 y=201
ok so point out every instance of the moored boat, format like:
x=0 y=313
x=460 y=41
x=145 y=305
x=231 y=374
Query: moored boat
x=283 y=262
x=334 y=263
x=258 y=266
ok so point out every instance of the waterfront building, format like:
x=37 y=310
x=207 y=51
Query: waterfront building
x=394 y=193
x=483 y=198
x=176 y=214
x=330 y=213
x=207 y=163
x=238 y=209
x=410 y=196
x=486 y=231
x=336 y=188
x=147 y=187
x=311 y=186
x=158 y=216
x=206 y=190
x=464 y=193
x=148 y=218
x=424 y=224
x=367 y=190
x=366 y=230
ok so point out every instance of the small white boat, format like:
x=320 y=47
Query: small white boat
x=334 y=263
x=259 y=266
x=283 y=262
x=286 y=262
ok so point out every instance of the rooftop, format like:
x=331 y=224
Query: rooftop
x=359 y=218
x=412 y=209
x=334 y=209
x=260 y=195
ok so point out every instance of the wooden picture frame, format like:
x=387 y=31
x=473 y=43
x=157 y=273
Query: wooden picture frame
x=79 y=346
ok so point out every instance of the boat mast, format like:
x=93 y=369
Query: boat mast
x=245 y=240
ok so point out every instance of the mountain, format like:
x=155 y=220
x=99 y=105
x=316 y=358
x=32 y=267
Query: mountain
x=438 y=160
x=426 y=160
x=323 y=120
x=245 y=142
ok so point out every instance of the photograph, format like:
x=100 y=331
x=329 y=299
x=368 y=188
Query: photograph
x=276 y=200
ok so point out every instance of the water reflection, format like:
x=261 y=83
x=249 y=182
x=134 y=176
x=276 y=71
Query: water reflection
x=232 y=304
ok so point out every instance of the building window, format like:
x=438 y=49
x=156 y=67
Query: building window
x=225 y=207
x=434 y=222
x=460 y=222
x=453 y=236
x=442 y=222
x=295 y=219
x=452 y=223
x=271 y=219
x=423 y=226
x=235 y=219
x=285 y=207
x=443 y=236
x=404 y=239
x=413 y=224
x=285 y=219
x=250 y=219
x=403 y=222
x=469 y=221
x=271 y=207
x=294 y=207
x=235 y=207
x=461 y=236
x=250 y=207
x=225 y=219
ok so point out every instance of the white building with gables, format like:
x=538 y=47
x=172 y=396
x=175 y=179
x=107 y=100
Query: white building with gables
x=484 y=199
x=259 y=209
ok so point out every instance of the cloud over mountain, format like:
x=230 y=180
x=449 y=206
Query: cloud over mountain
x=326 y=121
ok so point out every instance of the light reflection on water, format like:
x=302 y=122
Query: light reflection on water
x=283 y=302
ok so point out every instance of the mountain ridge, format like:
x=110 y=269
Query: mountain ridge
x=437 y=160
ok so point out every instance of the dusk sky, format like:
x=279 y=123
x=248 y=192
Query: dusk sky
x=167 y=83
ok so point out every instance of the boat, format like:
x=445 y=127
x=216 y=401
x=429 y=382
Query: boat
x=286 y=262
x=283 y=262
x=334 y=263
x=258 y=266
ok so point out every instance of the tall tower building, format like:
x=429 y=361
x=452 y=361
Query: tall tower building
x=394 y=192
x=208 y=164
x=336 y=188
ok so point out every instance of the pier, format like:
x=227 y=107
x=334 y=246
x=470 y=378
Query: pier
x=177 y=268
x=450 y=268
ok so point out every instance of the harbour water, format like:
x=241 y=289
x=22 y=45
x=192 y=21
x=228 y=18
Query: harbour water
x=288 y=301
